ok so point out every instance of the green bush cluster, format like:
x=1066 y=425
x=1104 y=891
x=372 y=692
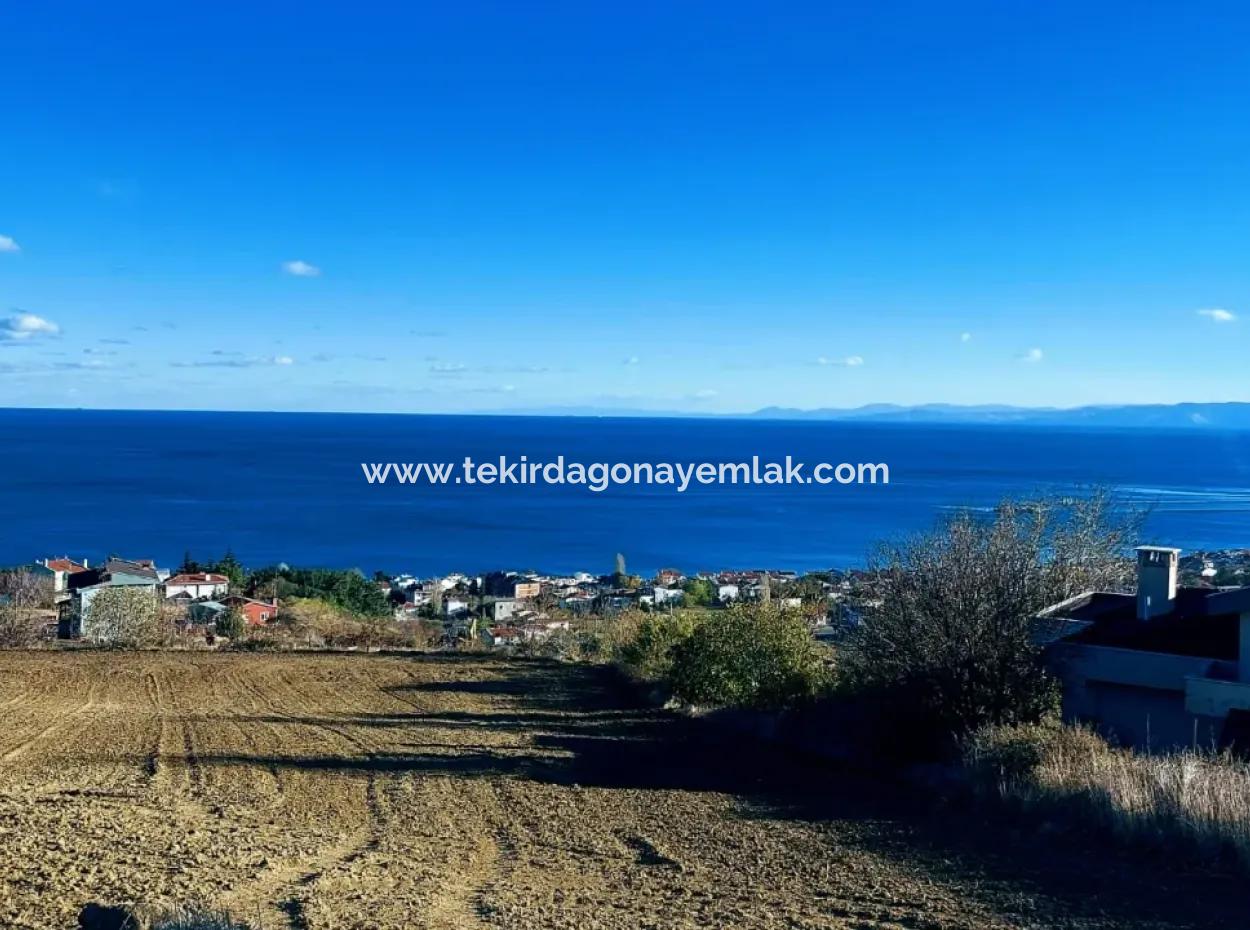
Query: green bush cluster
x=348 y=590
x=749 y=656
x=649 y=654
x=754 y=656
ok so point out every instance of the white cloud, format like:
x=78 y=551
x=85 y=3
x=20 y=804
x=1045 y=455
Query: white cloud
x=705 y=394
x=1218 y=315
x=301 y=269
x=1032 y=356
x=850 y=361
x=22 y=327
x=223 y=359
x=493 y=389
x=965 y=337
x=9 y=244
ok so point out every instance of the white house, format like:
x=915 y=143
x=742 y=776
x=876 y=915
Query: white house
x=197 y=585
x=60 y=570
x=666 y=595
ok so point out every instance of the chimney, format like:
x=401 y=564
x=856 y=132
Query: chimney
x=1156 y=580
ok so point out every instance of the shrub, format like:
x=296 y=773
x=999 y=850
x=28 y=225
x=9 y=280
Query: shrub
x=754 y=656
x=185 y=918
x=23 y=595
x=649 y=654
x=417 y=634
x=261 y=642
x=315 y=621
x=952 y=645
x=232 y=624
x=110 y=917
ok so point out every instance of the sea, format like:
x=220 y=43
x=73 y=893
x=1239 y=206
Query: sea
x=288 y=487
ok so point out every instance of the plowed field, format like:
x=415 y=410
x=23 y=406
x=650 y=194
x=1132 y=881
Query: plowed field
x=387 y=792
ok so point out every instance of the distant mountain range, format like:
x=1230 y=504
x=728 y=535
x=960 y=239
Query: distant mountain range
x=1230 y=416
x=1152 y=416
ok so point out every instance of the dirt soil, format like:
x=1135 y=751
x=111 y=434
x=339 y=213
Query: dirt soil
x=380 y=792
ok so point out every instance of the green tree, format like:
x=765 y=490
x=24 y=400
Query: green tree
x=232 y=624
x=232 y=568
x=751 y=655
x=698 y=592
x=649 y=654
x=349 y=590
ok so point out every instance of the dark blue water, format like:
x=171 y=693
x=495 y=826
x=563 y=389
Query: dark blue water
x=288 y=487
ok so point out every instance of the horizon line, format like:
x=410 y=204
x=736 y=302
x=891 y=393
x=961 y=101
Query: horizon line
x=589 y=411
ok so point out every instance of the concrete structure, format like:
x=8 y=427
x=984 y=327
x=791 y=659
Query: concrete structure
x=1165 y=668
x=502 y=610
x=511 y=585
x=1156 y=580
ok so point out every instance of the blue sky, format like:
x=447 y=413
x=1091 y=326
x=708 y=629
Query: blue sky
x=699 y=206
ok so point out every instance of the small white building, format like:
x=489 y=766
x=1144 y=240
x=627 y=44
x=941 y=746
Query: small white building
x=198 y=585
x=452 y=580
x=727 y=592
x=667 y=595
x=60 y=570
x=502 y=610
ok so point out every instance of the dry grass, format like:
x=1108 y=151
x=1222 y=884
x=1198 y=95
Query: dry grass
x=185 y=918
x=1198 y=802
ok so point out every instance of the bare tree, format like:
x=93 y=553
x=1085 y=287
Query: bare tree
x=24 y=596
x=952 y=643
x=127 y=616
